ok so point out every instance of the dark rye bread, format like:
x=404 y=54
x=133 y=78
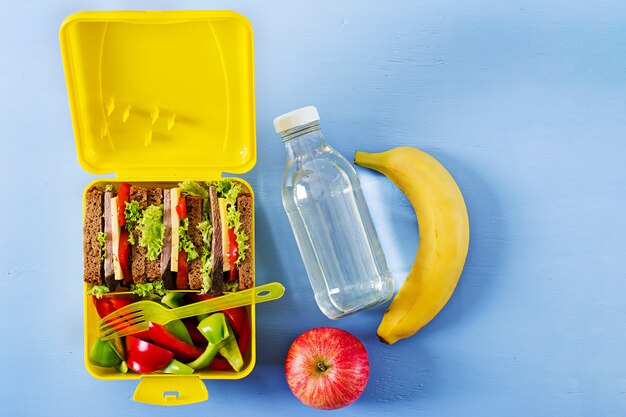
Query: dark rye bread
x=138 y=253
x=217 y=270
x=153 y=267
x=246 y=266
x=92 y=225
x=194 y=214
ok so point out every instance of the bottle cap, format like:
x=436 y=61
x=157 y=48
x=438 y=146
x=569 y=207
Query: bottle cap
x=296 y=118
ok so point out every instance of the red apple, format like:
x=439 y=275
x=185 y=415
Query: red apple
x=327 y=368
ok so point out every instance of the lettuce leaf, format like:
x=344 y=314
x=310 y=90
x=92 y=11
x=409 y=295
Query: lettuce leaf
x=184 y=242
x=231 y=195
x=223 y=187
x=207 y=268
x=101 y=240
x=242 y=246
x=231 y=286
x=193 y=188
x=152 y=231
x=206 y=229
x=132 y=214
x=148 y=288
x=98 y=290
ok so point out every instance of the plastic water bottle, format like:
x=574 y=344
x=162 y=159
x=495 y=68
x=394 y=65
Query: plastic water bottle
x=330 y=220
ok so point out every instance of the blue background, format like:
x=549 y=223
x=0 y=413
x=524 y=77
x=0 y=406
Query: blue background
x=523 y=101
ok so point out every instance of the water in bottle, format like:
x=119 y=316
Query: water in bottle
x=330 y=220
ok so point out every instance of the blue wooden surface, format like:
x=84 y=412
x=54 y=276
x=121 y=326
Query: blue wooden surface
x=523 y=101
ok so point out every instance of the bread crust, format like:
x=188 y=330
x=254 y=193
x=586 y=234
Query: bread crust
x=93 y=271
x=246 y=266
x=194 y=214
x=138 y=252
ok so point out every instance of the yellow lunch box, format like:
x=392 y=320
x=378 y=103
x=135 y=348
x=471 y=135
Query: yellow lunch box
x=158 y=97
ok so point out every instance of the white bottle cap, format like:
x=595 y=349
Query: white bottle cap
x=296 y=118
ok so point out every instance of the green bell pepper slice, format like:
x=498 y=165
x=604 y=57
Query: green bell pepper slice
x=215 y=329
x=177 y=367
x=178 y=329
x=118 y=346
x=173 y=299
x=230 y=351
x=103 y=353
x=122 y=367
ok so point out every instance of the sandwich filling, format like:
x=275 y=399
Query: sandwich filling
x=194 y=236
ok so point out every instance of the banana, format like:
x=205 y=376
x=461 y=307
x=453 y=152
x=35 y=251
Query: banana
x=444 y=238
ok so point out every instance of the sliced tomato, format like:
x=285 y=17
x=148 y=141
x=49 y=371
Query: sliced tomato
x=123 y=195
x=181 y=207
x=182 y=277
x=145 y=357
x=124 y=256
x=183 y=351
x=233 y=254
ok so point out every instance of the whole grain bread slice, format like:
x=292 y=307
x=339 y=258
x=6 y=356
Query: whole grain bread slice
x=138 y=252
x=246 y=265
x=93 y=271
x=194 y=214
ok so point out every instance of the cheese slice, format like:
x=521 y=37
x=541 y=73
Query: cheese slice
x=115 y=239
x=174 y=198
x=225 y=245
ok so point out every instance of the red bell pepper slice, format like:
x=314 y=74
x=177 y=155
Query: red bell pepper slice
x=197 y=337
x=183 y=351
x=123 y=195
x=181 y=208
x=233 y=254
x=194 y=297
x=107 y=305
x=238 y=319
x=220 y=364
x=145 y=357
x=124 y=256
x=182 y=276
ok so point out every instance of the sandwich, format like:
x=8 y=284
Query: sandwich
x=151 y=239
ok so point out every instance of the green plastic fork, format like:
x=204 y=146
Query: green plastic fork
x=136 y=317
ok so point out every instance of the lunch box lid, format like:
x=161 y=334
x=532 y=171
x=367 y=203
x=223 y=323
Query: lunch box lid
x=161 y=94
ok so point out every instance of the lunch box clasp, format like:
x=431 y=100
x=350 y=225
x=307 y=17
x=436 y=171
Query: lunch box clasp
x=161 y=390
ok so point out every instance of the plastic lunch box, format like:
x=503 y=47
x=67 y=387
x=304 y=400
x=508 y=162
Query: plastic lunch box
x=156 y=98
